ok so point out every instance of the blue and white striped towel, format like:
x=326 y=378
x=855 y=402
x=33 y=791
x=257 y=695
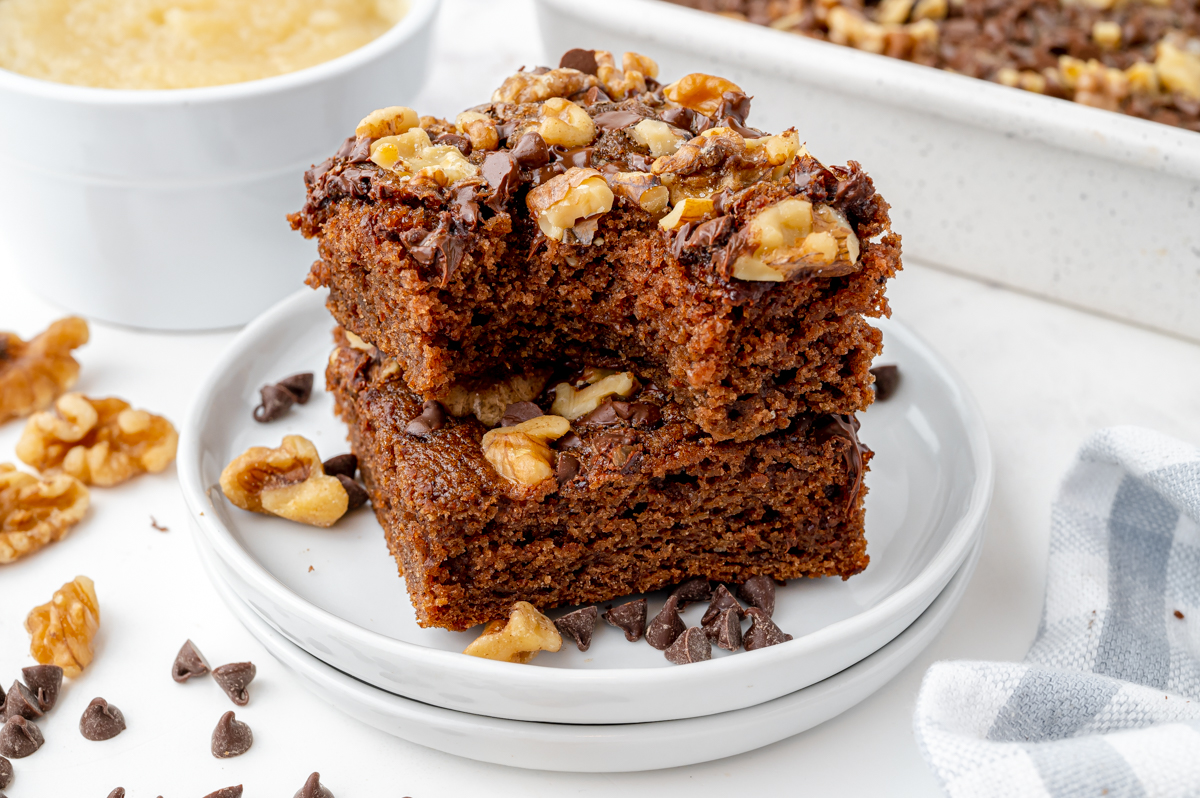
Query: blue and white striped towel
x=1107 y=703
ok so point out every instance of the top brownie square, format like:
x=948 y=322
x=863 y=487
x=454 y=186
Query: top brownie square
x=591 y=213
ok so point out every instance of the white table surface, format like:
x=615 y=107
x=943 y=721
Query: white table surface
x=1045 y=376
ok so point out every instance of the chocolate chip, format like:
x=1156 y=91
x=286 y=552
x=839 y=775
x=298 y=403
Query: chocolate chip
x=814 y=181
x=690 y=646
x=502 y=174
x=759 y=591
x=583 y=60
x=763 y=632
x=432 y=417
x=519 y=412
x=725 y=630
x=6 y=772
x=666 y=626
x=233 y=679
x=313 y=788
x=357 y=493
x=605 y=415
x=566 y=468
x=1179 y=615
x=19 y=738
x=616 y=120
x=231 y=737
x=579 y=625
x=226 y=792
x=887 y=380
x=189 y=662
x=299 y=385
x=570 y=441
x=444 y=246
x=696 y=589
x=117 y=793
x=360 y=151
x=630 y=617
x=679 y=117
x=22 y=701
x=44 y=681
x=595 y=95
x=101 y=721
x=466 y=203
x=722 y=600
x=545 y=173
x=614 y=411
x=454 y=140
x=276 y=400
x=345 y=464
x=531 y=151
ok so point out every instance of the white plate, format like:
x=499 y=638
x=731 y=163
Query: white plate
x=930 y=485
x=608 y=748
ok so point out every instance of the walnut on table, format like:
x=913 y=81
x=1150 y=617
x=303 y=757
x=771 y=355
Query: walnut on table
x=519 y=639
x=98 y=441
x=34 y=372
x=288 y=481
x=64 y=629
x=35 y=512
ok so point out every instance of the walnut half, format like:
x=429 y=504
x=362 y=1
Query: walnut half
x=33 y=373
x=36 y=512
x=521 y=453
x=64 y=629
x=519 y=639
x=288 y=481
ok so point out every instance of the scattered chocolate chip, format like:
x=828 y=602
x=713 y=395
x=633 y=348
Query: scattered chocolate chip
x=22 y=701
x=579 y=625
x=45 y=681
x=356 y=492
x=6 y=772
x=722 y=600
x=189 y=662
x=300 y=385
x=276 y=400
x=1179 y=615
x=345 y=464
x=117 y=793
x=616 y=120
x=231 y=737
x=690 y=646
x=695 y=589
x=433 y=416
x=759 y=591
x=454 y=140
x=519 y=412
x=763 y=632
x=227 y=792
x=19 y=738
x=101 y=721
x=630 y=617
x=502 y=175
x=566 y=467
x=583 y=60
x=666 y=626
x=726 y=630
x=531 y=151
x=233 y=679
x=887 y=380
x=313 y=788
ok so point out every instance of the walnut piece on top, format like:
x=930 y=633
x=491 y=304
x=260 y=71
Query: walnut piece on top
x=519 y=639
x=35 y=512
x=288 y=481
x=64 y=629
x=98 y=441
x=33 y=373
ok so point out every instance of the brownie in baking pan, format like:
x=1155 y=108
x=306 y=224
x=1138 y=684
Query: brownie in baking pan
x=591 y=213
x=628 y=496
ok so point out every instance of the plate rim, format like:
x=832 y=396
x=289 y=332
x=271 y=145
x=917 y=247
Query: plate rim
x=940 y=569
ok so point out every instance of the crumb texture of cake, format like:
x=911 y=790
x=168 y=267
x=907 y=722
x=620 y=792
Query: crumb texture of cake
x=592 y=213
x=633 y=498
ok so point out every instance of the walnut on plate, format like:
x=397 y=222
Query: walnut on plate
x=288 y=481
x=98 y=441
x=521 y=453
x=64 y=629
x=33 y=373
x=519 y=639
x=35 y=512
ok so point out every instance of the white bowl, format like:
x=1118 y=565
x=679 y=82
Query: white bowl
x=930 y=483
x=165 y=209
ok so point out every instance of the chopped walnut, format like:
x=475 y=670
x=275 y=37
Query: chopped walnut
x=488 y=402
x=641 y=188
x=661 y=138
x=412 y=154
x=519 y=639
x=35 y=512
x=628 y=80
x=722 y=158
x=1106 y=33
x=699 y=92
x=793 y=237
x=572 y=404
x=562 y=201
x=1178 y=66
x=689 y=209
x=98 y=441
x=565 y=123
x=526 y=87
x=479 y=128
x=289 y=482
x=521 y=453
x=64 y=629
x=390 y=121
x=33 y=373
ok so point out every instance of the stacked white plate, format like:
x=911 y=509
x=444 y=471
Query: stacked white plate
x=329 y=605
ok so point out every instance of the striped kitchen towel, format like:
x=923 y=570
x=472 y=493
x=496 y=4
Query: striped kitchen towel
x=1107 y=702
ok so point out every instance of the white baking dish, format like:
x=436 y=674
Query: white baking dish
x=165 y=209
x=1091 y=208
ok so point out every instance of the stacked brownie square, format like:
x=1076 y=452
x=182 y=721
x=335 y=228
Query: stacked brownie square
x=599 y=336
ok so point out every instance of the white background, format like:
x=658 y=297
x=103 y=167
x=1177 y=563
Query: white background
x=1045 y=376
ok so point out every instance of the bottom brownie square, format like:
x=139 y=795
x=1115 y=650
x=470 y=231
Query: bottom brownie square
x=635 y=505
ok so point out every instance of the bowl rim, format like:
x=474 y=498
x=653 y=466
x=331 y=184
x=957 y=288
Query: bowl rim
x=415 y=20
